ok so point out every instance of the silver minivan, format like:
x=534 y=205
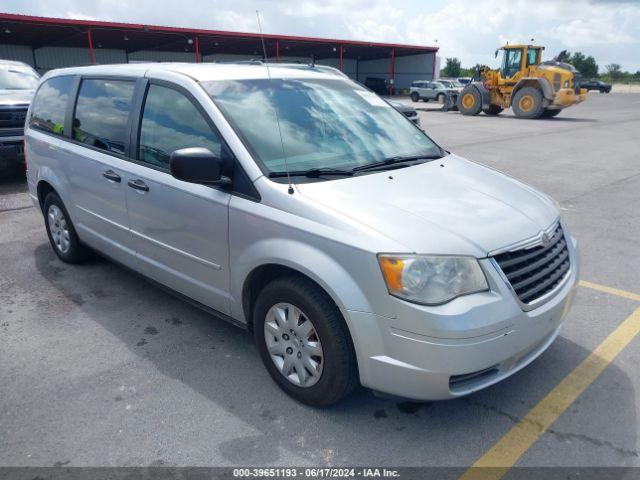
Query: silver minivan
x=300 y=205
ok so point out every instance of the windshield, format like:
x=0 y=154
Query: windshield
x=323 y=123
x=13 y=77
x=450 y=83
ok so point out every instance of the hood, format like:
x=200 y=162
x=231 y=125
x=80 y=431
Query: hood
x=401 y=106
x=15 y=97
x=446 y=206
x=561 y=65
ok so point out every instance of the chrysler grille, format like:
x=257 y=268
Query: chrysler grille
x=534 y=272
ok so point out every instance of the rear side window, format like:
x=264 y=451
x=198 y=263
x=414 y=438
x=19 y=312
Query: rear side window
x=101 y=114
x=50 y=105
x=164 y=130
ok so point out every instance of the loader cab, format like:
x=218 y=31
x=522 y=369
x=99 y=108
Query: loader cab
x=517 y=58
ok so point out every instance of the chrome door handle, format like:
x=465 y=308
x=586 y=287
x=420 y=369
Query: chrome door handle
x=138 y=185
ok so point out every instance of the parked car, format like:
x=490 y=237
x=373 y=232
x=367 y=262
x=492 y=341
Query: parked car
x=429 y=90
x=378 y=85
x=353 y=247
x=598 y=85
x=407 y=110
x=464 y=80
x=451 y=83
x=17 y=84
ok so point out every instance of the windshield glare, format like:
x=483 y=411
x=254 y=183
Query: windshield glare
x=17 y=78
x=324 y=123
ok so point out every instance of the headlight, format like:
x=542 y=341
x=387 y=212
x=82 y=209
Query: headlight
x=431 y=279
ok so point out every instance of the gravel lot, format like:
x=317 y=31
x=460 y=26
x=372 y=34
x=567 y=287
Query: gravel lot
x=98 y=367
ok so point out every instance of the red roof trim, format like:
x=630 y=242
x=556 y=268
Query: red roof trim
x=14 y=17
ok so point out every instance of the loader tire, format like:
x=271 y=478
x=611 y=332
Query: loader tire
x=470 y=101
x=493 y=110
x=527 y=103
x=550 y=113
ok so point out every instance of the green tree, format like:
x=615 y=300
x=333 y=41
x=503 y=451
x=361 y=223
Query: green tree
x=452 y=68
x=614 y=71
x=587 y=66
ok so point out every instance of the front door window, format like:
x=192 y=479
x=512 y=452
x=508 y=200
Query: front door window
x=511 y=62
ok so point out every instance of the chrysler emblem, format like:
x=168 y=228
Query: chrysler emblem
x=546 y=239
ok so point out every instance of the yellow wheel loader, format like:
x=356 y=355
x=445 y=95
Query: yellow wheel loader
x=531 y=87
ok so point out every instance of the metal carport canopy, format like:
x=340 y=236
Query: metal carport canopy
x=38 y=32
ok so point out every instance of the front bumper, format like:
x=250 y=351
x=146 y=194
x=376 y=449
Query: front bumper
x=434 y=353
x=11 y=152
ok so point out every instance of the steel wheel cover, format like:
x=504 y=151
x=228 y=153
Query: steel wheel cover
x=59 y=229
x=293 y=344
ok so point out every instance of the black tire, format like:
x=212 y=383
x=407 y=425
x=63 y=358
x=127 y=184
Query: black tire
x=76 y=252
x=550 y=113
x=470 y=101
x=415 y=97
x=527 y=103
x=440 y=98
x=493 y=110
x=339 y=368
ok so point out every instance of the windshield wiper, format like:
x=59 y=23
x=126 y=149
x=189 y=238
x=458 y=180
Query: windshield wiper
x=391 y=161
x=313 y=173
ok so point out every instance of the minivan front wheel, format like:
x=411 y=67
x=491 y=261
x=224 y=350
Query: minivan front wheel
x=62 y=235
x=294 y=345
x=304 y=342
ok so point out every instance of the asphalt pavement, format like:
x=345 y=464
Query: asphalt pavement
x=100 y=368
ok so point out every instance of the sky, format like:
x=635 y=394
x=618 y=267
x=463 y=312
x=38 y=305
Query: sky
x=470 y=30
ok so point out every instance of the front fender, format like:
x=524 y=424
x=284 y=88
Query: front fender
x=543 y=83
x=322 y=268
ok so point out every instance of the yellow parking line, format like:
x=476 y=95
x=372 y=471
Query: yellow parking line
x=506 y=452
x=612 y=291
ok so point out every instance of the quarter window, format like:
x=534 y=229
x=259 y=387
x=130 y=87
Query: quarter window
x=50 y=105
x=102 y=112
x=170 y=121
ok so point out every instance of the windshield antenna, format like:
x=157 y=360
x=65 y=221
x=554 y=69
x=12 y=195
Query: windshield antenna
x=266 y=64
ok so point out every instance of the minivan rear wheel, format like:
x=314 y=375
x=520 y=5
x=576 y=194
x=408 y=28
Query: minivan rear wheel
x=62 y=235
x=304 y=342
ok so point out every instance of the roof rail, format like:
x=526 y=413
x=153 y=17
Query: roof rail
x=294 y=65
x=252 y=61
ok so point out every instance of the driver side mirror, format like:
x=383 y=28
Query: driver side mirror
x=198 y=165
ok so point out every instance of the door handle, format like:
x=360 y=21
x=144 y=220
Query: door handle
x=112 y=176
x=138 y=185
